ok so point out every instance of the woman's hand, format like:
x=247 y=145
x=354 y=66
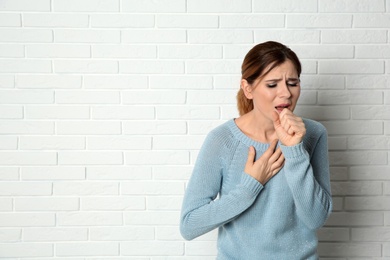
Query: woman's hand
x=267 y=165
x=289 y=128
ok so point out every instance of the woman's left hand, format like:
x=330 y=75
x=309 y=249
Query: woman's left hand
x=289 y=128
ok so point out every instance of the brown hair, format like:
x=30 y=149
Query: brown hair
x=268 y=54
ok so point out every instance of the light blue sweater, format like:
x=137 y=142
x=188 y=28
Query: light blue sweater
x=275 y=221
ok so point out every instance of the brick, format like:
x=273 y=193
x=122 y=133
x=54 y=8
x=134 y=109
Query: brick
x=152 y=188
x=150 y=6
x=88 y=128
x=7 y=81
x=188 y=112
x=333 y=234
x=87 y=249
x=9 y=173
x=213 y=67
x=339 y=173
x=198 y=51
x=351 y=6
x=6 y=204
x=58 y=51
x=179 y=82
x=369 y=142
x=373 y=51
x=119 y=173
x=288 y=36
x=357 y=158
x=351 y=97
x=179 y=172
x=89 y=219
x=140 y=248
x=25 y=189
x=323 y=113
x=350 y=219
x=203 y=127
x=367 y=81
x=356 y=188
x=56 y=20
x=224 y=36
x=155 y=218
x=319 y=20
x=172 y=233
x=87 y=97
x=308 y=97
x=219 y=6
x=156 y=157
x=151 y=67
x=57 y=112
x=122 y=233
x=351 y=67
x=86 y=36
x=186 y=21
x=51 y=143
x=26 y=250
x=10 y=235
x=26 y=96
x=115 y=82
x=46 y=204
x=8 y=142
x=12 y=51
x=211 y=97
x=354 y=36
x=353 y=127
x=373 y=203
x=25 y=5
x=85 y=66
x=122 y=21
x=177 y=142
x=85 y=188
x=55 y=234
x=88 y=158
x=25 y=66
x=53 y=173
x=337 y=143
x=324 y=51
x=372 y=172
x=27 y=220
x=154 y=36
x=86 y=6
x=11 y=112
x=350 y=249
x=113 y=204
x=227 y=82
x=154 y=97
x=10 y=20
x=286 y=6
x=119 y=143
x=123 y=112
x=164 y=203
x=154 y=127
x=371 y=112
x=26 y=35
x=48 y=81
x=252 y=21
x=28 y=158
x=371 y=21
x=124 y=51
x=202 y=248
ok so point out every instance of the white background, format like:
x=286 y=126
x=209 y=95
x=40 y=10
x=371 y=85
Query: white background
x=105 y=104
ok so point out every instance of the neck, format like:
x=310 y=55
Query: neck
x=257 y=127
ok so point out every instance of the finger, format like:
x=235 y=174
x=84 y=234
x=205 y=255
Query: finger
x=251 y=156
x=275 y=156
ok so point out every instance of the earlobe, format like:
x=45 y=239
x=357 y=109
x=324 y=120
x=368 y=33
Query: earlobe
x=246 y=88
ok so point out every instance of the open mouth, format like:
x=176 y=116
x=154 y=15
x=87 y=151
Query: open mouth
x=281 y=107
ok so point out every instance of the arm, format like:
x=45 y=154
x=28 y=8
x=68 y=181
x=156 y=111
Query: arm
x=308 y=179
x=201 y=211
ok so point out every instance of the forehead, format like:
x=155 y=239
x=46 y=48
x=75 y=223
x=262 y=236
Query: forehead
x=287 y=68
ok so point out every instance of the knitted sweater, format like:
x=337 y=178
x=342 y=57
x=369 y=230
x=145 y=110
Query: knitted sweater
x=275 y=221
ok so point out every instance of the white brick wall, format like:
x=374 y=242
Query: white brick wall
x=104 y=105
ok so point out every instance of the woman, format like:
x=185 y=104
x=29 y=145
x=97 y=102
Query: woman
x=269 y=168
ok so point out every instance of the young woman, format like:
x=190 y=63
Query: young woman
x=262 y=178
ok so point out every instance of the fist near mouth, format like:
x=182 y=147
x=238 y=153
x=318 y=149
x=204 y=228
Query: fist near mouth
x=289 y=128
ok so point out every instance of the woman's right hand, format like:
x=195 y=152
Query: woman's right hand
x=269 y=163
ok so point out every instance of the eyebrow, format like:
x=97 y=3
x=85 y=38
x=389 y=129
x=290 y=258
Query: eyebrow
x=289 y=79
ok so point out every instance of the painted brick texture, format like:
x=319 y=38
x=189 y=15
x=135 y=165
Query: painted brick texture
x=105 y=104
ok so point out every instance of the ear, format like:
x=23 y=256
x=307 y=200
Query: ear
x=247 y=88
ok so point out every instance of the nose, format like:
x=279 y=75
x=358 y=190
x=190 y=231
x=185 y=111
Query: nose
x=284 y=90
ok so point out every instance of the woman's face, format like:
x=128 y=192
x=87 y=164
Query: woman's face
x=277 y=90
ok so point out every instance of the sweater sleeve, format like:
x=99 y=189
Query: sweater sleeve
x=201 y=210
x=308 y=178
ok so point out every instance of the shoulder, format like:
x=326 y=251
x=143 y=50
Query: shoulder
x=220 y=134
x=314 y=128
x=315 y=133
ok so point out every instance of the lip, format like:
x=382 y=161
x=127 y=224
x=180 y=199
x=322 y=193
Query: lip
x=280 y=107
